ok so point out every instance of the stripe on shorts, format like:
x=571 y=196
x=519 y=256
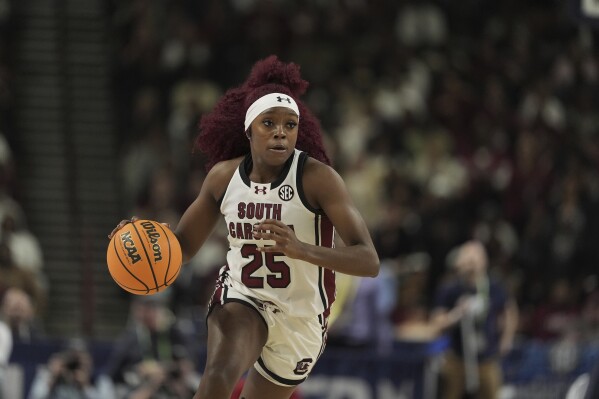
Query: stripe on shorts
x=278 y=378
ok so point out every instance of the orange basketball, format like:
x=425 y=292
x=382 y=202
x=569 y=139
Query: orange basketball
x=144 y=257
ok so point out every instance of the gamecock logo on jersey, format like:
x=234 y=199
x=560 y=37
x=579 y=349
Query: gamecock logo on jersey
x=302 y=366
x=286 y=192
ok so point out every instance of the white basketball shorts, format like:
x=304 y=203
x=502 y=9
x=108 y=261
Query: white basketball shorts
x=294 y=344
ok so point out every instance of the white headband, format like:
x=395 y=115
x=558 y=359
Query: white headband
x=266 y=102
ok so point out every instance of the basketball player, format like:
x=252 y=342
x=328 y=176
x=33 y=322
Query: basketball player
x=282 y=203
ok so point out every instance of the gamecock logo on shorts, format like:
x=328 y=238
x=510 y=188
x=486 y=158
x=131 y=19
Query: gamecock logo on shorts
x=302 y=366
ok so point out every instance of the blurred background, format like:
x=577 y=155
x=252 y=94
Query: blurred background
x=449 y=121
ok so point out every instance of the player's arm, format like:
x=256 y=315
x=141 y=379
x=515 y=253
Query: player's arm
x=198 y=221
x=325 y=190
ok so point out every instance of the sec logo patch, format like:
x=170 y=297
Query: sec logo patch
x=286 y=192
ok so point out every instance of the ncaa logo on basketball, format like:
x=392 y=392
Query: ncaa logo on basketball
x=130 y=247
x=286 y=192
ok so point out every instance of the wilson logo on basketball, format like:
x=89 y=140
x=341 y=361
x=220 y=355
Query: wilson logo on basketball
x=286 y=192
x=130 y=247
x=153 y=236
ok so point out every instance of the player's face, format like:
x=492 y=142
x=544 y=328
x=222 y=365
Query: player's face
x=274 y=134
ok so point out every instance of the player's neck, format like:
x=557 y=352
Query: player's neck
x=262 y=173
x=265 y=175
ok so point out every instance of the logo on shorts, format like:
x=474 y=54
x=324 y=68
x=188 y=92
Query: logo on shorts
x=302 y=366
x=286 y=192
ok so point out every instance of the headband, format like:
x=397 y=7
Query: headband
x=266 y=102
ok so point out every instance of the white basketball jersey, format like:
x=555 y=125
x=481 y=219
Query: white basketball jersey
x=296 y=287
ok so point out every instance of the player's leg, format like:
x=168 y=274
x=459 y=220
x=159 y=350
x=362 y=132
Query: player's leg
x=293 y=347
x=236 y=335
x=258 y=387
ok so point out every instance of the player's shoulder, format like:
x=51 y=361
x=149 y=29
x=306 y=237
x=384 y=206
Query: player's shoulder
x=318 y=171
x=320 y=181
x=220 y=175
x=225 y=169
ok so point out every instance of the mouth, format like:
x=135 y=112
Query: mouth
x=278 y=148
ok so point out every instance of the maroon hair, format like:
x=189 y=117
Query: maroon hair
x=221 y=134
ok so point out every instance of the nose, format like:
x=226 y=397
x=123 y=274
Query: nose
x=280 y=131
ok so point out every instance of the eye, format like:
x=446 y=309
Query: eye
x=267 y=122
x=291 y=124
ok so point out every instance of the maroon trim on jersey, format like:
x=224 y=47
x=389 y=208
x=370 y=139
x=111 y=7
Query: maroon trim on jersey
x=327 y=233
x=324 y=233
x=219 y=292
x=220 y=296
x=299 y=183
x=324 y=323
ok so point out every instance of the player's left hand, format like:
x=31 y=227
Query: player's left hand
x=286 y=241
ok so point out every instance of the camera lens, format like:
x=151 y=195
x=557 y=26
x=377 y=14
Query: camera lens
x=72 y=363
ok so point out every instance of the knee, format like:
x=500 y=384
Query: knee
x=225 y=376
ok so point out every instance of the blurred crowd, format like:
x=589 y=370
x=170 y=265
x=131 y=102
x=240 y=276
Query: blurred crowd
x=23 y=284
x=449 y=122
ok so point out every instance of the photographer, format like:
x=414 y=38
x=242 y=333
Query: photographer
x=68 y=375
x=164 y=380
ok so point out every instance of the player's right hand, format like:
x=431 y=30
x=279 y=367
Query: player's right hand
x=121 y=224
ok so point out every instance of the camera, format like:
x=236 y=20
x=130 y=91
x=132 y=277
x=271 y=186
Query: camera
x=72 y=361
x=174 y=371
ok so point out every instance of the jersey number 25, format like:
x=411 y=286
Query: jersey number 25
x=280 y=277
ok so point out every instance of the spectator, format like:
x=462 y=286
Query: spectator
x=5 y=351
x=13 y=277
x=152 y=335
x=18 y=312
x=557 y=314
x=165 y=380
x=365 y=319
x=480 y=319
x=449 y=94
x=416 y=326
x=24 y=247
x=590 y=314
x=412 y=316
x=69 y=375
x=586 y=386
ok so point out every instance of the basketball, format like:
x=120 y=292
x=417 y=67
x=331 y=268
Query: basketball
x=144 y=257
